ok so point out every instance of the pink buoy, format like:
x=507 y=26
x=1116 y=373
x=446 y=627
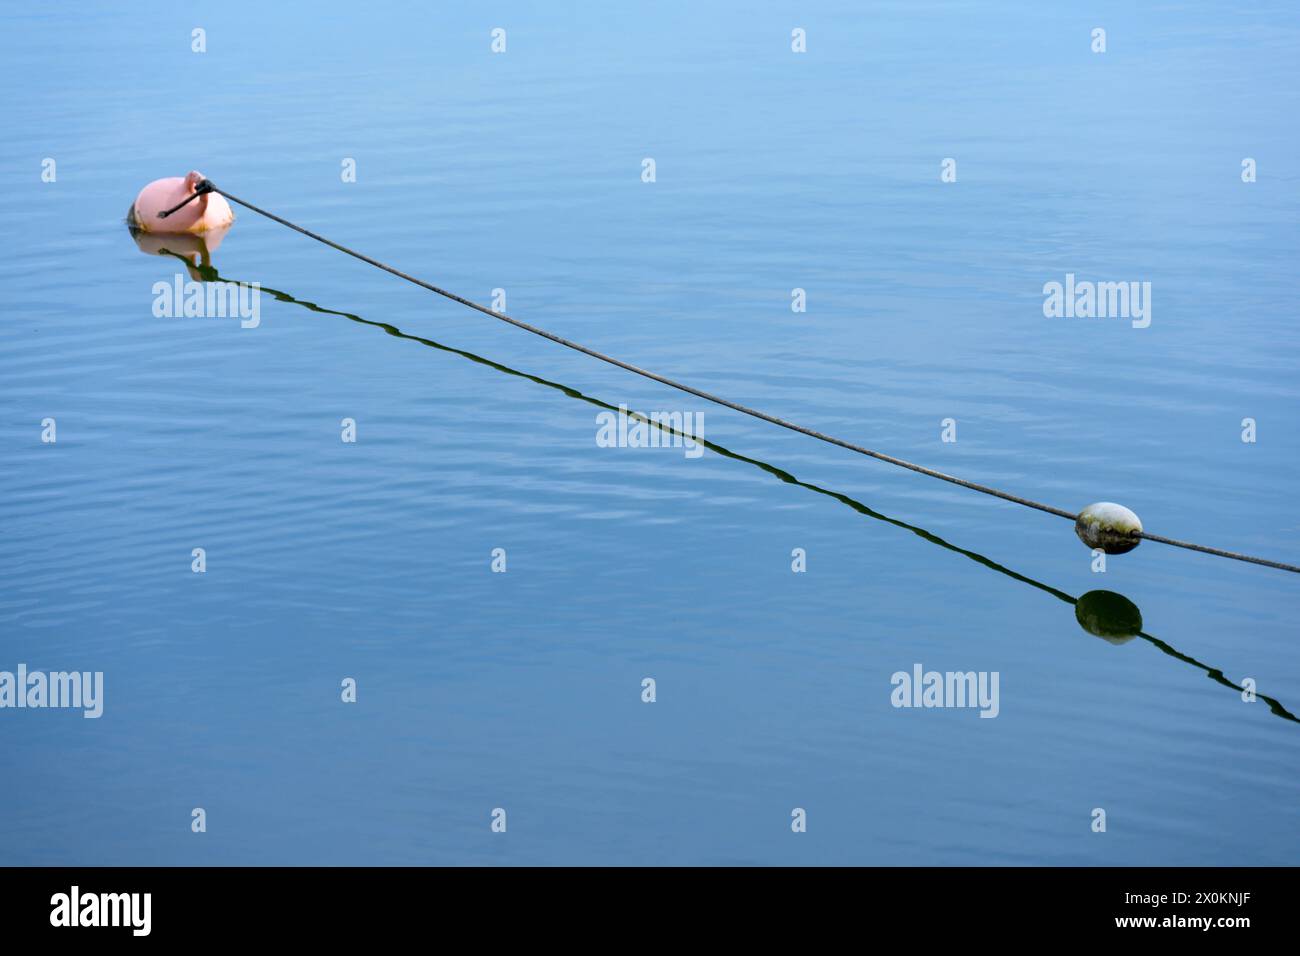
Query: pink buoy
x=209 y=212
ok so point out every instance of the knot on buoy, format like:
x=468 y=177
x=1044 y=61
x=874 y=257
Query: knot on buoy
x=1108 y=526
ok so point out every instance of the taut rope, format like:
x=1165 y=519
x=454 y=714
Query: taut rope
x=206 y=186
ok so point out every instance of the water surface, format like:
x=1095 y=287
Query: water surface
x=522 y=690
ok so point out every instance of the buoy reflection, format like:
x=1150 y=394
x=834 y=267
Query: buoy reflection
x=1108 y=615
x=194 y=250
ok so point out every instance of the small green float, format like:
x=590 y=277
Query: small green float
x=1110 y=527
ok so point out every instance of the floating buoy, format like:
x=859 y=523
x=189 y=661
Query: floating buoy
x=1108 y=526
x=208 y=212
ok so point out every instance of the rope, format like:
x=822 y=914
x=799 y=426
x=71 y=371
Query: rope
x=202 y=188
x=206 y=186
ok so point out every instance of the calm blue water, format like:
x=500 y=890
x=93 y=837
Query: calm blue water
x=522 y=690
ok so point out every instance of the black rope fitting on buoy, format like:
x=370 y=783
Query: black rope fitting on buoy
x=203 y=187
